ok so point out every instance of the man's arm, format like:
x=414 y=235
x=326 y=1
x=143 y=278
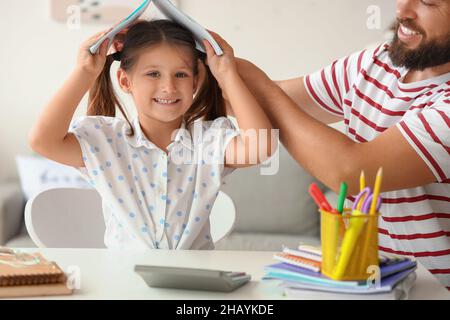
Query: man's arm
x=295 y=89
x=328 y=154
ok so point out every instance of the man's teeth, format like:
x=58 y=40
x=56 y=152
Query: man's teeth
x=407 y=31
x=164 y=101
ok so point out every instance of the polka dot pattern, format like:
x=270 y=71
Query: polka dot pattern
x=159 y=202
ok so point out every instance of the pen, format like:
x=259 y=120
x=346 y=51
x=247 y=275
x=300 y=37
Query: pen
x=376 y=191
x=342 y=194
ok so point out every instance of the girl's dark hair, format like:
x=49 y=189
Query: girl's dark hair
x=208 y=103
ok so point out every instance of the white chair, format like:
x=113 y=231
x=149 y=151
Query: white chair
x=73 y=218
x=223 y=217
x=66 y=218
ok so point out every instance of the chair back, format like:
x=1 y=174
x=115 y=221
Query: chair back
x=73 y=218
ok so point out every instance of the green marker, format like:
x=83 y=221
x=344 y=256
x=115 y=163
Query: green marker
x=342 y=195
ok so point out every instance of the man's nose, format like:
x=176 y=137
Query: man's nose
x=406 y=9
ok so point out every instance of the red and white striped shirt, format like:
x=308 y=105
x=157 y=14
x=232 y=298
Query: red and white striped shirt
x=366 y=89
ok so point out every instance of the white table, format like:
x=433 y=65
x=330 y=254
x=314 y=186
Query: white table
x=109 y=274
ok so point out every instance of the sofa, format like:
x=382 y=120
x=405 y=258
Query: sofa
x=272 y=210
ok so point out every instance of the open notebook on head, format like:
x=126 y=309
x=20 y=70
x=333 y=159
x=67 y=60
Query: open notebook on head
x=171 y=12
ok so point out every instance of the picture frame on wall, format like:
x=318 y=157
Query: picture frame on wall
x=97 y=11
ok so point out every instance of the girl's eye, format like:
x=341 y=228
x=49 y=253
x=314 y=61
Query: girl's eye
x=181 y=75
x=153 y=74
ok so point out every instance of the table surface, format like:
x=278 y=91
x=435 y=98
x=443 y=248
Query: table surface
x=109 y=274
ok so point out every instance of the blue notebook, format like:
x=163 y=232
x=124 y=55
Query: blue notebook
x=289 y=272
x=387 y=285
x=396 y=266
x=390 y=271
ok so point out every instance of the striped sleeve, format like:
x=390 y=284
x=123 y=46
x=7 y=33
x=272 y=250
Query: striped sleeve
x=428 y=132
x=328 y=86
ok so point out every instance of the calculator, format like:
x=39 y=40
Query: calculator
x=191 y=278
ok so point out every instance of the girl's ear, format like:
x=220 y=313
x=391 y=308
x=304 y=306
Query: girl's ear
x=124 y=81
x=195 y=83
x=199 y=78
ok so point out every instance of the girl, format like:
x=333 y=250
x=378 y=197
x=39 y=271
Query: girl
x=160 y=174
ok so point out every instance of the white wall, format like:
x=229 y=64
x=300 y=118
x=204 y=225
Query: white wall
x=286 y=38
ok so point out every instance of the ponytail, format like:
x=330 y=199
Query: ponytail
x=102 y=98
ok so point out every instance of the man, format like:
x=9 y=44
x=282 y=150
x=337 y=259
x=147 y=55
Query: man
x=395 y=103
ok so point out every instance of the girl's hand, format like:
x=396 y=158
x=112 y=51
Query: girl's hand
x=222 y=67
x=89 y=63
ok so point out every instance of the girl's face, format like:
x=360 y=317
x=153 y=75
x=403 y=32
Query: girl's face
x=162 y=82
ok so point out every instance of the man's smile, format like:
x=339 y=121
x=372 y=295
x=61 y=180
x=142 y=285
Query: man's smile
x=408 y=35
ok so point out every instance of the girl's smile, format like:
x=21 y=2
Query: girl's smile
x=167 y=102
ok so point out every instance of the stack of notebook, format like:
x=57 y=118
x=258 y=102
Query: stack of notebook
x=299 y=271
x=30 y=274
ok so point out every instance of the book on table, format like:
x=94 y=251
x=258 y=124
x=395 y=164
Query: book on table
x=393 y=287
x=30 y=274
x=298 y=274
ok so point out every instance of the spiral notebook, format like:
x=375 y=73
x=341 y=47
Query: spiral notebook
x=30 y=274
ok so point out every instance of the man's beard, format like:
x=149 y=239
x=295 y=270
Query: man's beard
x=428 y=54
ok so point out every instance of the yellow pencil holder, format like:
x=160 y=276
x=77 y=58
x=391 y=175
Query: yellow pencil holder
x=349 y=244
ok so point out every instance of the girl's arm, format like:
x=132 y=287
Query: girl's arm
x=255 y=144
x=49 y=135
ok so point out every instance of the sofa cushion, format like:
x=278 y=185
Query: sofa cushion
x=264 y=241
x=277 y=203
x=22 y=240
x=38 y=174
x=11 y=210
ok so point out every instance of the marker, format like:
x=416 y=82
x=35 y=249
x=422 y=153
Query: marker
x=319 y=198
x=342 y=195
